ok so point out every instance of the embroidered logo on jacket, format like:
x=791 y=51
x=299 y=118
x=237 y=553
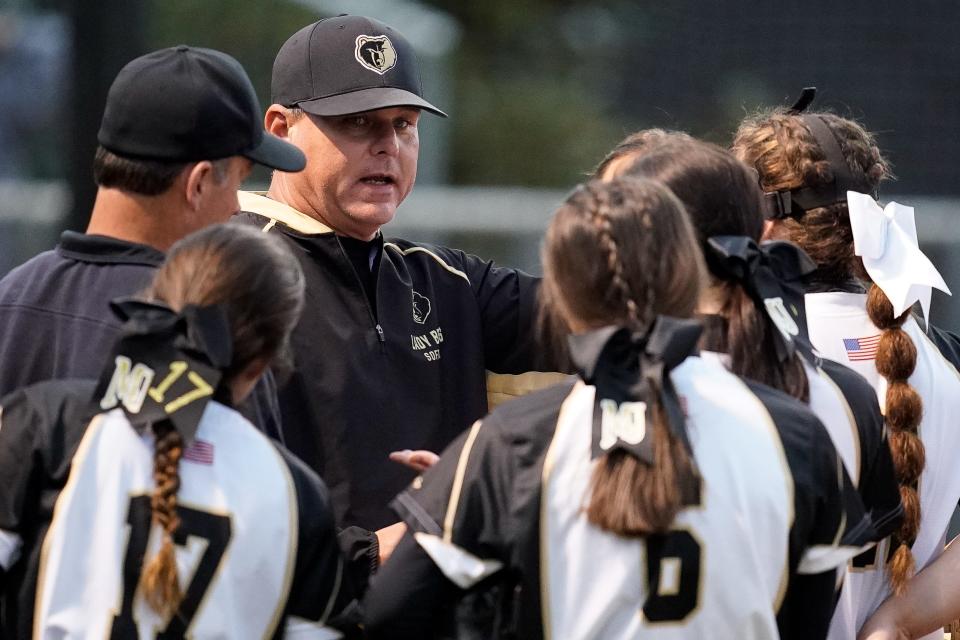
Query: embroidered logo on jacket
x=376 y=53
x=428 y=342
x=421 y=308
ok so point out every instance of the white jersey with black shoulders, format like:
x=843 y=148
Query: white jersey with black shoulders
x=502 y=517
x=841 y=330
x=256 y=548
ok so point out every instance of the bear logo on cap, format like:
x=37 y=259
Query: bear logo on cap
x=376 y=53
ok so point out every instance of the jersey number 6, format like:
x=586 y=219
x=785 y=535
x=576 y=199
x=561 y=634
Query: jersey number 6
x=215 y=529
x=673 y=576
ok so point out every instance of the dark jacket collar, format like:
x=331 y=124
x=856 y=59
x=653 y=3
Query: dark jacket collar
x=104 y=249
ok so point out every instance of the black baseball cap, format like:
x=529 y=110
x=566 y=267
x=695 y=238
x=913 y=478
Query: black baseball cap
x=347 y=64
x=185 y=104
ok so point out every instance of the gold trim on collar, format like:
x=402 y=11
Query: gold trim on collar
x=257 y=202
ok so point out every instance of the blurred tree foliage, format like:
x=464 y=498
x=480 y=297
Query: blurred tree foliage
x=530 y=108
x=252 y=32
x=526 y=109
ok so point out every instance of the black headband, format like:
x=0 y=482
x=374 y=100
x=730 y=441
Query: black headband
x=772 y=273
x=167 y=365
x=630 y=370
x=793 y=203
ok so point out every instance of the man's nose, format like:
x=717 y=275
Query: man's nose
x=387 y=142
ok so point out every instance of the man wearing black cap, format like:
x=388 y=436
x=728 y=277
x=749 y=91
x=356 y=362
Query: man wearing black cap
x=179 y=133
x=392 y=348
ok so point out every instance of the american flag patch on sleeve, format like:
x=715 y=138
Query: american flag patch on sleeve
x=200 y=452
x=859 y=349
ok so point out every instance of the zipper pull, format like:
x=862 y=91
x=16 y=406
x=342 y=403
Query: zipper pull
x=380 y=335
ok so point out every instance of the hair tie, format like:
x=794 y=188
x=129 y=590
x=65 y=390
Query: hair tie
x=772 y=274
x=630 y=370
x=166 y=365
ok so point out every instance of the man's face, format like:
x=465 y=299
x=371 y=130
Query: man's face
x=359 y=167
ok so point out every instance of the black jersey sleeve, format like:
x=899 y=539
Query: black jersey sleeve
x=40 y=428
x=321 y=588
x=877 y=479
x=406 y=594
x=464 y=498
x=830 y=524
x=948 y=343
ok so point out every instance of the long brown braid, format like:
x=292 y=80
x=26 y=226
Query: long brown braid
x=259 y=283
x=787 y=156
x=649 y=264
x=159 y=582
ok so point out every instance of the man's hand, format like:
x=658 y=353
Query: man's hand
x=388 y=538
x=419 y=461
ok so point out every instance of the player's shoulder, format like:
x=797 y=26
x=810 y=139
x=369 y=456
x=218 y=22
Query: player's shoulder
x=53 y=415
x=806 y=443
x=947 y=343
x=529 y=419
x=51 y=402
x=857 y=391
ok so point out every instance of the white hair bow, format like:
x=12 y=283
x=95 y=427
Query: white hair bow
x=886 y=239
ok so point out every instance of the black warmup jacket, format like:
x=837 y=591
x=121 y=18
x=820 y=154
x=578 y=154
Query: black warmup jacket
x=408 y=372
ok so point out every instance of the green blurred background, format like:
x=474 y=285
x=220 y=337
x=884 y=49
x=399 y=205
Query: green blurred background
x=537 y=92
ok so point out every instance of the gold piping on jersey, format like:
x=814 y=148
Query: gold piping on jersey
x=548 y=462
x=76 y=464
x=843 y=513
x=294 y=524
x=788 y=479
x=458 y=483
x=854 y=473
x=440 y=261
x=257 y=202
x=334 y=592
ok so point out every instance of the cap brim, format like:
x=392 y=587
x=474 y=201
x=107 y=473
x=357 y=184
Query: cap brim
x=275 y=153
x=366 y=100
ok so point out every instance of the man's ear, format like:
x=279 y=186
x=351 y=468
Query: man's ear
x=769 y=230
x=275 y=121
x=195 y=185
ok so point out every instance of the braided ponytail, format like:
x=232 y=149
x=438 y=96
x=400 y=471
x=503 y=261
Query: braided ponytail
x=260 y=284
x=648 y=265
x=896 y=360
x=787 y=156
x=159 y=582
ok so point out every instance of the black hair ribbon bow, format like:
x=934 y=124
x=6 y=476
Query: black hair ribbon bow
x=167 y=365
x=629 y=370
x=772 y=273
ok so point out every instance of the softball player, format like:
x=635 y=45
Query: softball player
x=657 y=495
x=178 y=518
x=822 y=173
